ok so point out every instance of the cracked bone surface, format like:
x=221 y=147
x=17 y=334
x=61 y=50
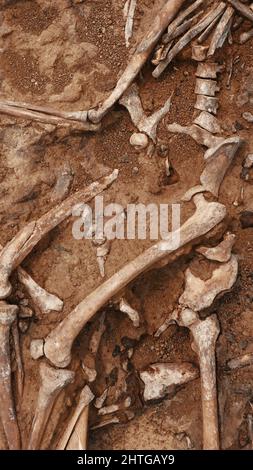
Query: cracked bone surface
x=218 y=161
x=44 y=300
x=58 y=343
x=199 y=52
x=208 y=122
x=86 y=396
x=8 y=315
x=146 y=124
x=207 y=103
x=89 y=362
x=161 y=379
x=208 y=70
x=165 y=15
x=191 y=34
x=52 y=383
x=206 y=87
x=221 y=252
x=221 y=31
x=22 y=244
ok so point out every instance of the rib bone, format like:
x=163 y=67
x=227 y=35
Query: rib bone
x=144 y=49
x=179 y=20
x=162 y=379
x=148 y=125
x=243 y=9
x=59 y=342
x=130 y=21
x=221 y=31
x=8 y=315
x=18 y=357
x=44 y=300
x=218 y=162
x=86 y=396
x=220 y=253
x=52 y=383
x=22 y=244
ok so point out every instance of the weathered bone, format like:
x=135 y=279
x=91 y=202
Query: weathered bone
x=106 y=410
x=207 y=103
x=86 y=396
x=201 y=136
x=161 y=379
x=206 y=87
x=22 y=244
x=40 y=114
x=101 y=399
x=18 y=357
x=102 y=251
x=44 y=300
x=59 y=342
x=221 y=31
x=191 y=34
x=221 y=252
x=52 y=383
x=208 y=30
x=243 y=9
x=130 y=21
x=173 y=26
x=89 y=362
x=209 y=70
x=208 y=122
x=244 y=37
x=199 y=295
x=143 y=50
x=218 y=162
x=199 y=52
x=8 y=315
x=148 y=125
x=131 y=312
x=242 y=361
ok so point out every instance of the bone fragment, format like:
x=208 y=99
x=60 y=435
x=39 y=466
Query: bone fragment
x=147 y=125
x=208 y=122
x=102 y=252
x=245 y=10
x=199 y=52
x=207 y=103
x=208 y=70
x=86 y=396
x=221 y=31
x=244 y=37
x=114 y=408
x=221 y=252
x=242 y=361
x=101 y=399
x=161 y=379
x=22 y=244
x=131 y=312
x=219 y=160
x=106 y=422
x=140 y=56
x=44 y=300
x=191 y=34
x=89 y=362
x=199 y=294
x=206 y=87
x=52 y=383
x=59 y=342
x=164 y=326
x=130 y=22
x=248 y=116
x=8 y=315
x=37 y=348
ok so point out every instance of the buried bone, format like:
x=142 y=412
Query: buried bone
x=145 y=124
x=218 y=161
x=244 y=37
x=53 y=381
x=179 y=20
x=241 y=361
x=221 y=252
x=140 y=56
x=162 y=379
x=22 y=244
x=58 y=343
x=8 y=315
x=208 y=122
x=85 y=398
x=89 y=362
x=207 y=103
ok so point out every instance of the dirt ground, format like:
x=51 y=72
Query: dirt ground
x=69 y=54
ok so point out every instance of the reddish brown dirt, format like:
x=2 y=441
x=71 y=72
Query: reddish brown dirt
x=69 y=54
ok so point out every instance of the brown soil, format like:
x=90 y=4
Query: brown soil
x=69 y=54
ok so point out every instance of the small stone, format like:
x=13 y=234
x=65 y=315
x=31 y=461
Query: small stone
x=139 y=140
x=135 y=170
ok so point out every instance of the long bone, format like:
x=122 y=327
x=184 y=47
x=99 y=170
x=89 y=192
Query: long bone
x=221 y=31
x=59 y=342
x=8 y=315
x=208 y=30
x=217 y=164
x=179 y=20
x=18 y=357
x=146 y=124
x=245 y=10
x=191 y=34
x=32 y=112
x=130 y=21
x=52 y=383
x=22 y=244
x=86 y=396
x=143 y=51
